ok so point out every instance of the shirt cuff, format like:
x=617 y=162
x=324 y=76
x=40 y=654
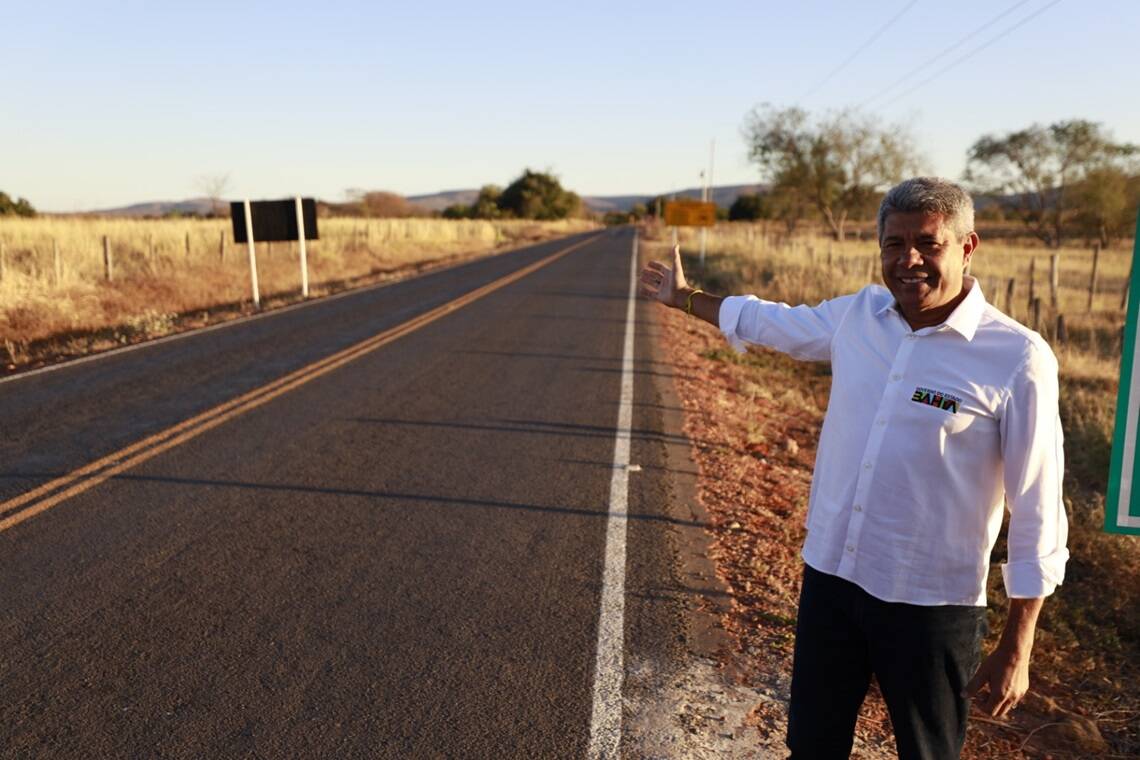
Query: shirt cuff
x=730 y=309
x=1031 y=580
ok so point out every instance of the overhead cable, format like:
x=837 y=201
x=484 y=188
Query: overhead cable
x=941 y=55
x=878 y=33
x=963 y=58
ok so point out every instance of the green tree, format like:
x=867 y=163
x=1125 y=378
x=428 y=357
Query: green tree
x=9 y=207
x=538 y=195
x=1105 y=202
x=1039 y=167
x=748 y=207
x=456 y=211
x=486 y=205
x=655 y=206
x=838 y=164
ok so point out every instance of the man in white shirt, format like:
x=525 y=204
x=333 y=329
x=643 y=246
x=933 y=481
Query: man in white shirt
x=942 y=410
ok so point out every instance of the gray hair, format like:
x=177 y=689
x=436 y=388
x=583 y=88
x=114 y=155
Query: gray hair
x=931 y=195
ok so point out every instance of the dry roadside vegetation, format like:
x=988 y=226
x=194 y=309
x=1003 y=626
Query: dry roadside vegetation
x=755 y=418
x=173 y=274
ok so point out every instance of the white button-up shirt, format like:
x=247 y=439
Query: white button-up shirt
x=927 y=433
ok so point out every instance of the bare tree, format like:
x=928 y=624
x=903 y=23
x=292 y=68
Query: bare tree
x=839 y=164
x=213 y=186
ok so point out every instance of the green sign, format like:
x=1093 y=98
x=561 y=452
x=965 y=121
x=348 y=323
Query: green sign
x=1122 y=508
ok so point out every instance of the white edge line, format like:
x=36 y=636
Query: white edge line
x=250 y=318
x=609 y=668
x=1124 y=516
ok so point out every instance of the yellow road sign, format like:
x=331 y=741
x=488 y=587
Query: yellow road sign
x=690 y=214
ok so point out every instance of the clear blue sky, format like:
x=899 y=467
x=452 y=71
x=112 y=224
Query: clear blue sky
x=108 y=103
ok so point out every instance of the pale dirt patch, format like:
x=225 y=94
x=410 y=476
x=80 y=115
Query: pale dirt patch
x=698 y=713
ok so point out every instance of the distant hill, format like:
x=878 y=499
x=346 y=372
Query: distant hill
x=599 y=204
x=722 y=195
x=434 y=202
x=441 y=200
x=192 y=206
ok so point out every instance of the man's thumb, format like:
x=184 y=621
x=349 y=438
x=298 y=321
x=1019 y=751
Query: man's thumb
x=677 y=258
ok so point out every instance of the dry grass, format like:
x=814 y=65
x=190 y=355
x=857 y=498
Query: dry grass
x=1085 y=658
x=166 y=268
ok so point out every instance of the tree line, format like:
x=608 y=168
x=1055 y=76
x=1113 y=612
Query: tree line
x=19 y=207
x=532 y=195
x=1063 y=180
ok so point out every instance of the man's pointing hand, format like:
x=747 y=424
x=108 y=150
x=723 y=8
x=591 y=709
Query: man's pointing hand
x=663 y=283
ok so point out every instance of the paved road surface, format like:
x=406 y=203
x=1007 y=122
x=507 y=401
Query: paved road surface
x=400 y=558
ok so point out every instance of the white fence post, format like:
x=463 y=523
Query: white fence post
x=252 y=254
x=304 y=255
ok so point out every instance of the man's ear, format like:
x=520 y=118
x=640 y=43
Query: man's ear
x=969 y=245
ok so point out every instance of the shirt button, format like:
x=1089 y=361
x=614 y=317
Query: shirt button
x=911 y=336
x=850 y=548
x=866 y=465
x=896 y=377
x=858 y=507
x=882 y=422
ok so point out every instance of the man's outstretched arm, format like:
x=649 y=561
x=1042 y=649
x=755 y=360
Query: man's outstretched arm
x=668 y=285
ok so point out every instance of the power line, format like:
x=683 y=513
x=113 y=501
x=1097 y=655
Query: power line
x=966 y=56
x=942 y=54
x=878 y=33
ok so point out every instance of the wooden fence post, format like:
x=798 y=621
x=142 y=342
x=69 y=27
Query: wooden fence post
x=1054 y=277
x=1092 y=278
x=1062 y=333
x=1036 y=305
x=1009 y=288
x=187 y=245
x=108 y=269
x=222 y=247
x=1032 y=282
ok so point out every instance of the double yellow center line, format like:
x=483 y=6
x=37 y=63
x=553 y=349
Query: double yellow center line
x=40 y=499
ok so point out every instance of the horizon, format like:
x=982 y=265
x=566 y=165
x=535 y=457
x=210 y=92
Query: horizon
x=111 y=109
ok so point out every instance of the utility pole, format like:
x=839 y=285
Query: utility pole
x=704 y=230
x=708 y=195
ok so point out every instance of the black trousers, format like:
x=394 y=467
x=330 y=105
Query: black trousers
x=922 y=657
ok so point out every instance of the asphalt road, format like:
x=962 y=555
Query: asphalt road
x=400 y=558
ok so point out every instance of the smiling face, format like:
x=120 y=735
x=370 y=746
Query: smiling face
x=923 y=265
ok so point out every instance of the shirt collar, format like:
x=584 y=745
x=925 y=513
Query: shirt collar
x=966 y=316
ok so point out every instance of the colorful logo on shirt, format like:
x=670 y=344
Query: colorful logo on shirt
x=947 y=402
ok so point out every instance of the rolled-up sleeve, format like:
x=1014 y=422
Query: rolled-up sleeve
x=1034 y=463
x=804 y=332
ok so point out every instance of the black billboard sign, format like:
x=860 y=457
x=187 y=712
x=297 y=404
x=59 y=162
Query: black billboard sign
x=274 y=220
